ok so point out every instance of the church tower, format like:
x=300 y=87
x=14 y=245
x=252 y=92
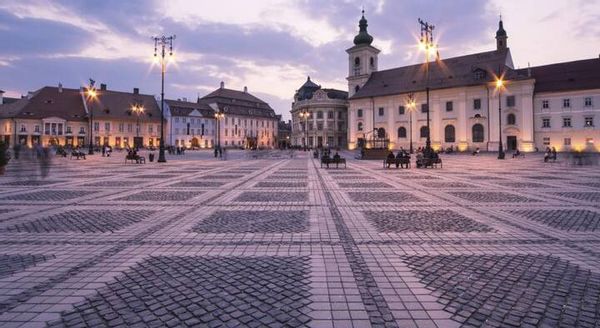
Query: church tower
x=501 y=36
x=362 y=58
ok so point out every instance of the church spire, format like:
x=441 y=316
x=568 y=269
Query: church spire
x=501 y=36
x=363 y=36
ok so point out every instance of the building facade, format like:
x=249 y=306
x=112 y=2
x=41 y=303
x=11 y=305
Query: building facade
x=467 y=110
x=190 y=124
x=246 y=122
x=123 y=119
x=319 y=117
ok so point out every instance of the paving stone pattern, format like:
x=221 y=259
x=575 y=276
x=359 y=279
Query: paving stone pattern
x=201 y=291
x=253 y=196
x=569 y=220
x=254 y=222
x=276 y=241
x=512 y=290
x=83 y=221
x=11 y=264
x=423 y=221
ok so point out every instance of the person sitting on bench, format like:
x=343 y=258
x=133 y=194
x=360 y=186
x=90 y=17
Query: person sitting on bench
x=517 y=153
x=390 y=158
x=476 y=152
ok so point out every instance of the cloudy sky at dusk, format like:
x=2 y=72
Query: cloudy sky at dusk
x=268 y=45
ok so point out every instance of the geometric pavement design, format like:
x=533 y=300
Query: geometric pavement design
x=161 y=196
x=48 y=195
x=586 y=196
x=423 y=221
x=175 y=291
x=576 y=220
x=395 y=197
x=82 y=221
x=11 y=264
x=512 y=290
x=254 y=222
x=494 y=196
x=248 y=196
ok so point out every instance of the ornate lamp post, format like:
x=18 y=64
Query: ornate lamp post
x=91 y=95
x=426 y=45
x=219 y=116
x=305 y=115
x=499 y=85
x=411 y=105
x=163 y=42
x=138 y=109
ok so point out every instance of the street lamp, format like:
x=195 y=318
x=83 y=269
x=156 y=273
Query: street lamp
x=499 y=85
x=91 y=94
x=138 y=109
x=426 y=44
x=163 y=42
x=411 y=105
x=219 y=116
x=305 y=115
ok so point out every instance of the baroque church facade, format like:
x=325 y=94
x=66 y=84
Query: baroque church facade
x=389 y=107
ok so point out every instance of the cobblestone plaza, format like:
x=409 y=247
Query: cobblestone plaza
x=279 y=241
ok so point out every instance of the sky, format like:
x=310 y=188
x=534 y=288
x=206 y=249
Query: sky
x=270 y=46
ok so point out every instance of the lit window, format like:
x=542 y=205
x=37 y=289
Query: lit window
x=589 y=141
x=360 y=126
x=589 y=121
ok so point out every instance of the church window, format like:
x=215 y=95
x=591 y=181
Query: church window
x=381 y=111
x=360 y=126
x=424 y=108
x=477 y=104
x=511 y=119
x=449 y=106
x=510 y=101
x=356 y=88
x=401 y=110
x=449 y=133
x=423 y=131
x=372 y=61
x=359 y=113
x=477 y=133
x=356 y=61
x=401 y=132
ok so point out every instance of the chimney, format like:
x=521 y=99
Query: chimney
x=103 y=87
x=245 y=89
x=59 y=87
x=136 y=91
x=29 y=94
x=528 y=70
x=222 y=85
x=185 y=99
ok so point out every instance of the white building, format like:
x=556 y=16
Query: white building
x=464 y=101
x=326 y=125
x=189 y=124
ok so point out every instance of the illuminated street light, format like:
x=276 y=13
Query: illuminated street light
x=426 y=45
x=163 y=42
x=499 y=86
x=92 y=95
x=305 y=115
x=411 y=105
x=219 y=116
x=138 y=109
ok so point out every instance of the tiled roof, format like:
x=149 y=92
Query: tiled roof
x=575 y=75
x=47 y=102
x=117 y=105
x=238 y=103
x=184 y=108
x=336 y=94
x=447 y=73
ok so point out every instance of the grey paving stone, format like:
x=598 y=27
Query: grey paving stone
x=282 y=184
x=366 y=185
x=48 y=195
x=509 y=290
x=198 y=183
x=32 y=183
x=423 y=221
x=493 y=196
x=564 y=219
x=82 y=221
x=254 y=222
x=13 y=263
x=252 y=289
x=252 y=196
x=378 y=197
x=161 y=196
x=585 y=196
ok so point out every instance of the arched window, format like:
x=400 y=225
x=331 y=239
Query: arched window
x=356 y=88
x=360 y=126
x=381 y=133
x=449 y=133
x=401 y=132
x=511 y=119
x=423 y=131
x=477 y=132
x=372 y=61
x=356 y=61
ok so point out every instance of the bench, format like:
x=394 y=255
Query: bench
x=398 y=162
x=336 y=161
x=550 y=157
x=77 y=154
x=429 y=162
x=138 y=159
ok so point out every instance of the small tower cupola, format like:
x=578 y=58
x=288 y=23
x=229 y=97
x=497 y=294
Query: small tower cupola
x=363 y=36
x=501 y=36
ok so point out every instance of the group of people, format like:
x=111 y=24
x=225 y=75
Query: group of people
x=106 y=150
x=220 y=153
x=401 y=159
x=550 y=154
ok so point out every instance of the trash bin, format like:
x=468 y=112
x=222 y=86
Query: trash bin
x=151 y=157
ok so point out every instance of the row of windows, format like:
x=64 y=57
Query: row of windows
x=192 y=120
x=567 y=141
x=510 y=101
x=566 y=103
x=330 y=115
x=477 y=132
x=121 y=127
x=52 y=129
x=263 y=133
x=252 y=122
x=566 y=122
x=340 y=126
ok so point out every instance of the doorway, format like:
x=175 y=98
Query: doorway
x=511 y=143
